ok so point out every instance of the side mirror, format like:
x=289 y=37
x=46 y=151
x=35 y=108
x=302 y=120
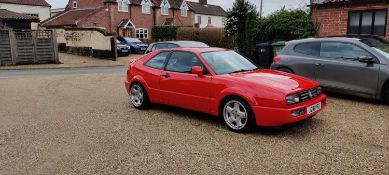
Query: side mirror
x=366 y=59
x=197 y=70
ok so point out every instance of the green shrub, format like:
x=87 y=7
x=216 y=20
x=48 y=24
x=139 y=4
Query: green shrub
x=212 y=36
x=164 y=32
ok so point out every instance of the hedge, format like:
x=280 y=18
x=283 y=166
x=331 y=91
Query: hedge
x=164 y=32
x=212 y=36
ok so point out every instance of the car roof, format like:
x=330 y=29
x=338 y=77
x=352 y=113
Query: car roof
x=349 y=39
x=196 y=49
x=177 y=42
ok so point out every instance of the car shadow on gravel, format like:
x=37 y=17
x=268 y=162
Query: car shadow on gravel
x=302 y=128
x=353 y=98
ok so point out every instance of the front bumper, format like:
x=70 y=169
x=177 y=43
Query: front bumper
x=270 y=116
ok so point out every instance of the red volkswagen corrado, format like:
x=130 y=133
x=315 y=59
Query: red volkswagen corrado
x=223 y=83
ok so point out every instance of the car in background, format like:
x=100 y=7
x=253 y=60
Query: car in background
x=351 y=65
x=173 y=44
x=222 y=83
x=136 y=45
x=122 y=49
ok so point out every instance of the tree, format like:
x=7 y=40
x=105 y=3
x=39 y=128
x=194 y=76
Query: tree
x=241 y=24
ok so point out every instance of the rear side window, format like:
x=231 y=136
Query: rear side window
x=311 y=48
x=172 y=46
x=158 y=61
x=159 y=46
x=341 y=50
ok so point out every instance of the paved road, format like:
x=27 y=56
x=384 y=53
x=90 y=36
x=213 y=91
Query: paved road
x=61 y=71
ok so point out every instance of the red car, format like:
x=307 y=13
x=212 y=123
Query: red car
x=223 y=83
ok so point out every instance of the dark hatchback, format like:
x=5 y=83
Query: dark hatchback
x=350 y=65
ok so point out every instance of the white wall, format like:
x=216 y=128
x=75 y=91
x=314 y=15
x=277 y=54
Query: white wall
x=43 y=12
x=84 y=38
x=217 y=21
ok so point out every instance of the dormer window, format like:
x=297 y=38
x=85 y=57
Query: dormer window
x=75 y=4
x=184 y=9
x=165 y=7
x=122 y=5
x=146 y=5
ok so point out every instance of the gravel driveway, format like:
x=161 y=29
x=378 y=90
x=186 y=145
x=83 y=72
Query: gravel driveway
x=83 y=125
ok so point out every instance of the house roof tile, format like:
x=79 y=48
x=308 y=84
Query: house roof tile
x=9 y=15
x=69 y=17
x=207 y=9
x=27 y=2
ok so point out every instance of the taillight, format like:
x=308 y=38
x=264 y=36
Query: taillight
x=276 y=59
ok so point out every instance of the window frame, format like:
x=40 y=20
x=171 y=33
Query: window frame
x=308 y=43
x=165 y=8
x=209 y=20
x=206 y=72
x=144 y=29
x=75 y=4
x=165 y=62
x=146 y=7
x=372 y=23
x=348 y=59
x=184 y=9
x=199 y=19
x=121 y=5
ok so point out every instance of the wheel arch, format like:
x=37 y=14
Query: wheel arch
x=227 y=96
x=286 y=67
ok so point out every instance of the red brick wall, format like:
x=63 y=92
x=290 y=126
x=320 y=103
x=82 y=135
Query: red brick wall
x=86 y=3
x=333 y=20
x=101 y=18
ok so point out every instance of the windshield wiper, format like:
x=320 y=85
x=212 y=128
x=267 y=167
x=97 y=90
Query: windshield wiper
x=241 y=70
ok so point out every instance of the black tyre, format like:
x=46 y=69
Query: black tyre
x=386 y=94
x=237 y=115
x=138 y=96
x=287 y=70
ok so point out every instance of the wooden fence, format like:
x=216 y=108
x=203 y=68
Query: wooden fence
x=28 y=47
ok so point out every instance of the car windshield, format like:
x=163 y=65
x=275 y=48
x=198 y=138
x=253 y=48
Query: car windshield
x=193 y=44
x=133 y=40
x=225 y=62
x=379 y=45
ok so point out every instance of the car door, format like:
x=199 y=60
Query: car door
x=182 y=88
x=151 y=74
x=339 y=68
x=302 y=63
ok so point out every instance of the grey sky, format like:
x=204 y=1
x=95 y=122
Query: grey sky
x=268 y=5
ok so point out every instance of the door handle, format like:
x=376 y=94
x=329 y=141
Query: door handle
x=165 y=75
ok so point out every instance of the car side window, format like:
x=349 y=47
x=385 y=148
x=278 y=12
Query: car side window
x=346 y=51
x=310 y=48
x=183 y=62
x=159 y=46
x=172 y=46
x=158 y=61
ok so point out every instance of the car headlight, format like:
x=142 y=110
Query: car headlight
x=319 y=90
x=292 y=99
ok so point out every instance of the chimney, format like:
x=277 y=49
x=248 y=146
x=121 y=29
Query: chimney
x=204 y=2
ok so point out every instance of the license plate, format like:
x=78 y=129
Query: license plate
x=313 y=108
x=124 y=50
x=143 y=48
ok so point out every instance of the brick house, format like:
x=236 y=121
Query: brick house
x=350 y=17
x=133 y=18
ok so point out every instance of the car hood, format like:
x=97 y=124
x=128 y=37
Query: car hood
x=282 y=82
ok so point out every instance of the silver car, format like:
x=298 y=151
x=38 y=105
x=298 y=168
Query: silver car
x=356 y=66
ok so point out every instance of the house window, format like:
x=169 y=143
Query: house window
x=367 y=22
x=224 y=21
x=122 y=5
x=165 y=7
x=184 y=9
x=209 y=20
x=199 y=19
x=75 y=4
x=142 y=33
x=146 y=6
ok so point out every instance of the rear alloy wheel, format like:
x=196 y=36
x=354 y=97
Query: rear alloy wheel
x=138 y=96
x=238 y=115
x=286 y=70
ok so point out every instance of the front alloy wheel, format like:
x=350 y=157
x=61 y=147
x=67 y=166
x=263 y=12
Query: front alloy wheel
x=237 y=115
x=138 y=96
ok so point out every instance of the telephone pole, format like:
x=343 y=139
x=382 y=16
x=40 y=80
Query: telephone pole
x=260 y=9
